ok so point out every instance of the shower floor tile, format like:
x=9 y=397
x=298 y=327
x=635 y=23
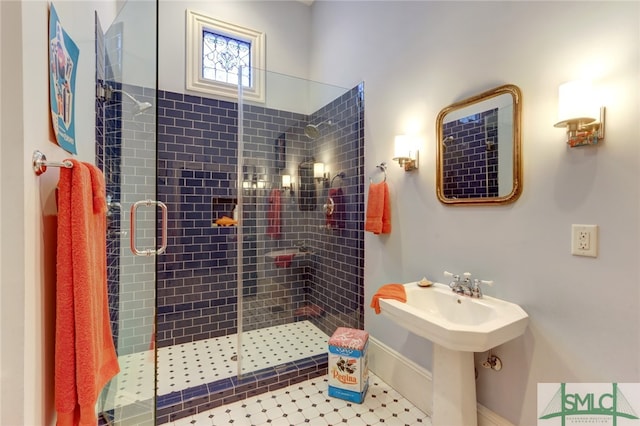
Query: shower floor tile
x=191 y=364
x=308 y=403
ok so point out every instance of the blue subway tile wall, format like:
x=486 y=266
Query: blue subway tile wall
x=197 y=156
x=196 y=164
x=196 y=278
x=471 y=158
x=336 y=274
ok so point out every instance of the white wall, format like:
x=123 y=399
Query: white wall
x=418 y=57
x=287 y=28
x=28 y=222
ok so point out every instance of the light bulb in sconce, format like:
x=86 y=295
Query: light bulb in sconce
x=578 y=112
x=287 y=183
x=406 y=152
x=320 y=173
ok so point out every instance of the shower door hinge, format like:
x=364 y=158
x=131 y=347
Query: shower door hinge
x=103 y=92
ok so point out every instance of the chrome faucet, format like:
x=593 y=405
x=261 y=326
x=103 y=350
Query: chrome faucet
x=466 y=286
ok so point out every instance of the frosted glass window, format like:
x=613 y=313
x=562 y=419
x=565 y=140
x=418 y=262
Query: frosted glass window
x=217 y=50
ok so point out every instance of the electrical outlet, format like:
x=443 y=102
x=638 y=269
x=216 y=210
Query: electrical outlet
x=584 y=240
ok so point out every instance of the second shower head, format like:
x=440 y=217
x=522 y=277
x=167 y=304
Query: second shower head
x=313 y=130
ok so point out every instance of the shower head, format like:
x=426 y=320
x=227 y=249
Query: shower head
x=313 y=130
x=447 y=140
x=105 y=92
x=139 y=107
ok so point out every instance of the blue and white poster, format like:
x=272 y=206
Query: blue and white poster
x=63 y=60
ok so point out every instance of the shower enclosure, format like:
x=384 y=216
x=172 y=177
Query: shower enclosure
x=246 y=307
x=256 y=276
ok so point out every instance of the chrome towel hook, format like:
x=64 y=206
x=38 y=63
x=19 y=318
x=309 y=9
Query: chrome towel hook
x=383 y=167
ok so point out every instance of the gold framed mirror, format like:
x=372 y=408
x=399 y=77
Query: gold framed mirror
x=478 y=155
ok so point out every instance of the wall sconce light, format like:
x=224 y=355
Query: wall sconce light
x=320 y=173
x=287 y=183
x=576 y=112
x=406 y=152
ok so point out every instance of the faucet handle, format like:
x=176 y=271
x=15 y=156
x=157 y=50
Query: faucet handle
x=475 y=290
x=455 y=277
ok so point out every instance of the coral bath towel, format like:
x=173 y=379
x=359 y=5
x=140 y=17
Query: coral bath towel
x=388 y=291
x=85 y=357
x=378 y=218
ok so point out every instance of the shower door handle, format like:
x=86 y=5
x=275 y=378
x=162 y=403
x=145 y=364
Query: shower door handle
x=132 y=226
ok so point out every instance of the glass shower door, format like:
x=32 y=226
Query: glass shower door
x=126 y=79
x=299 y=273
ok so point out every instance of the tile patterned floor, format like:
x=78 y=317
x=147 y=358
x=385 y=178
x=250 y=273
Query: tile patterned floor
x=308 y=403
x=191 y=364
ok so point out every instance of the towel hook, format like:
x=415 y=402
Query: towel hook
x=383 y=167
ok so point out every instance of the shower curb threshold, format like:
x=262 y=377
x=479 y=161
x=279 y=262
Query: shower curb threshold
x=190 y=401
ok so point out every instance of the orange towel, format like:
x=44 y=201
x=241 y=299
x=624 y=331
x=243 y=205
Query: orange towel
x=226 y=221
x=273 y=214
x=388 y=291
x=85 y=358
x=378 y=218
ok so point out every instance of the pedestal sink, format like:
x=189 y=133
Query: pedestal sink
x=458 y=326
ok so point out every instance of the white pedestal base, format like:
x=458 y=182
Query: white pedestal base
x=454 y=388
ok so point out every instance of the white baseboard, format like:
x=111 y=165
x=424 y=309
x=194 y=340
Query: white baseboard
x=414 y=382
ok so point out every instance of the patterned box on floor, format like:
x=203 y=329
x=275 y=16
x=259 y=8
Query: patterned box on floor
x=348 y=366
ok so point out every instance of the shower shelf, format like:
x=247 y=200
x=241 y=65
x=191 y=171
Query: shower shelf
x=286 y=252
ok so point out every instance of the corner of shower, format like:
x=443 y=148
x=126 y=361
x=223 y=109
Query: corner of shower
x=303 y=264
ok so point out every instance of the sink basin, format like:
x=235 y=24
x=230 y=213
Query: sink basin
x=458 y=326
x=459 y=323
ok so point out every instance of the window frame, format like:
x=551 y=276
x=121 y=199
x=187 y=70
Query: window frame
x=197 y=23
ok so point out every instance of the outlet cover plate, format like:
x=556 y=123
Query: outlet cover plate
x=584 y=240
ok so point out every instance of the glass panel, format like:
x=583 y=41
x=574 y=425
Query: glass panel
x=302 y=248
x=202 y=305
x=126 y=69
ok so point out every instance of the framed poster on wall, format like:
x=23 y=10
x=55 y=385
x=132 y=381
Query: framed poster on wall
x=63 y=60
